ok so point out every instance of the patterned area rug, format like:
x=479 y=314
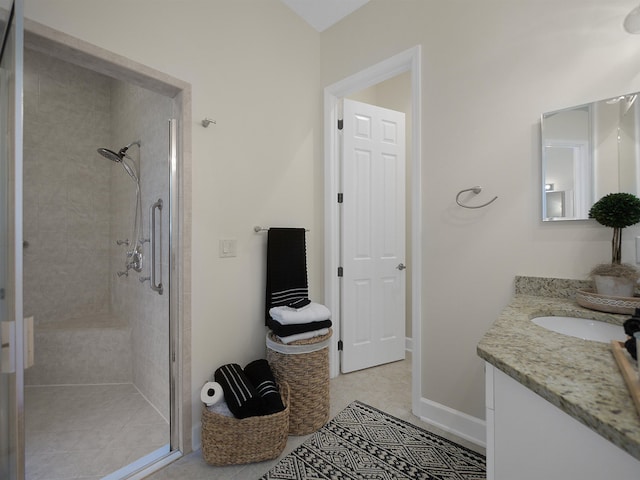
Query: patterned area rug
x=362 y=442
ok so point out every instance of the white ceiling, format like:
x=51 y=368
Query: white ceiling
x=321 y=14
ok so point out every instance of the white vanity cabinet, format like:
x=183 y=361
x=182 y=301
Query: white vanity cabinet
x=528 y=438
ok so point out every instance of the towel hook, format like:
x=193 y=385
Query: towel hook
x=477 y=189
x=207 y=121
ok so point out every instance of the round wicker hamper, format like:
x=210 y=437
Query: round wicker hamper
x=234 y=441
x=304 y=366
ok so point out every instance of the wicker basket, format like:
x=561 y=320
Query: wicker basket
x=234 y=441
x=304 y=365
x=606 y=303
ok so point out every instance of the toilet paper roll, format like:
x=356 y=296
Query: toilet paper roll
x=211 y=393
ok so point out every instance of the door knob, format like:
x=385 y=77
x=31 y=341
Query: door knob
x=401 y=266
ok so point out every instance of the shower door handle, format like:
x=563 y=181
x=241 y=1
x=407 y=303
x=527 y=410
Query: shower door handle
x=153 y=245
x=8 y=347
x=8 y=350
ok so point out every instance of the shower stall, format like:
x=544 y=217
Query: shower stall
x=96 y=262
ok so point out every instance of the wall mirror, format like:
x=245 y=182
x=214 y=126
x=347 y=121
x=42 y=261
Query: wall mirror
x=589 y=151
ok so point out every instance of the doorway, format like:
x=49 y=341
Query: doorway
x=407 y=61
x=73 y=187
x=98 y=385
x=373 y=232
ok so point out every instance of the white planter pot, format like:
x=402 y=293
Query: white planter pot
x=614 y=286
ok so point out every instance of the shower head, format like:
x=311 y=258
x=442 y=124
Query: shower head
x=110 y=155
x=119 y=158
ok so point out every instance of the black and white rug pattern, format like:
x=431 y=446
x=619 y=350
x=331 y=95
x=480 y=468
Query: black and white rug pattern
x=362 y=442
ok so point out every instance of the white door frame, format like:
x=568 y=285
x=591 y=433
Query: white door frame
x=409 y=60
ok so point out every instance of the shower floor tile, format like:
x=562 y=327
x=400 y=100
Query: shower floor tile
x=83 y=432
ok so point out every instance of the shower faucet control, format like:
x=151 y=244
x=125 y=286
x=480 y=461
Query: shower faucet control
x=136 y=260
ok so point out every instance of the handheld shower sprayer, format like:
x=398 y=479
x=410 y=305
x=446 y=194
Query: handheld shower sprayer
x=135 y=255
x=119 y=158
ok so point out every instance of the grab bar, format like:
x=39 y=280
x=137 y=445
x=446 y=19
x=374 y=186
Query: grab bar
x=156 y=287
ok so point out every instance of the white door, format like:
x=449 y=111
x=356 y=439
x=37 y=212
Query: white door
x=373 y=236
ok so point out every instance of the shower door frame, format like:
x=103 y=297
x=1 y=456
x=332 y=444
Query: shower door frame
x=12 y=444
x=73 y=50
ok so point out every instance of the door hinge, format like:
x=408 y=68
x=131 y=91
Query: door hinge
x=340 y=124
x=340 y=198
x=340 y=345
x=340 y=271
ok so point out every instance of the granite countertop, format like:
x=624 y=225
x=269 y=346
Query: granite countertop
x=580 y=377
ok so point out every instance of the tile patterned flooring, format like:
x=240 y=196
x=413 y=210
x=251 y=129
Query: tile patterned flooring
x=85 y=432
x=387 y=387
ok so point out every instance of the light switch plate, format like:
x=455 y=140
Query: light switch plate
x=227 y=247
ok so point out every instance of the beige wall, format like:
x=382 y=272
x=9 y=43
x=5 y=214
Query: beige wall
x=489 y=70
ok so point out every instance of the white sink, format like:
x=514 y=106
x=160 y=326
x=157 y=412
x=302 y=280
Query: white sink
x=582 y=328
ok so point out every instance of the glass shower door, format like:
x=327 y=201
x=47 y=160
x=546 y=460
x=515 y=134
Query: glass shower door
x=12 y=459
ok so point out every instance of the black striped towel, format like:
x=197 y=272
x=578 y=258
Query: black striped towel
x=241 y=396
x=286 y=269
x=260 y=375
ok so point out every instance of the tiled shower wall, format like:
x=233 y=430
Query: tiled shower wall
x=139 y=114
x=66 y=190
x=66 y=227
x=77 y=204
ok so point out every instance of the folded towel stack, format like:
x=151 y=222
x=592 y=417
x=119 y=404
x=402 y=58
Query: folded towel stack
x=250 y=392
x=288 y=311
x=290 y=324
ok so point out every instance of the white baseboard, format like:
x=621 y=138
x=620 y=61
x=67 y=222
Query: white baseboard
x=408 y=344
x=453 y=421
x=196 y=439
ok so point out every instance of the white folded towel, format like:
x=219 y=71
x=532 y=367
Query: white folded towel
x=314 y=312
x=221 y=408
x=304 y=336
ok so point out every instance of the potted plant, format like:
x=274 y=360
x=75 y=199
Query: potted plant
x=618 y=211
